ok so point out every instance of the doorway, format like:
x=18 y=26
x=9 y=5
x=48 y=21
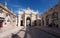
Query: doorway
x=21 y=22
x=1 y=23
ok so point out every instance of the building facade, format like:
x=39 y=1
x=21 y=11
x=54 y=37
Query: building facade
x=27 y=17
x=7 y=17
x=52 y=17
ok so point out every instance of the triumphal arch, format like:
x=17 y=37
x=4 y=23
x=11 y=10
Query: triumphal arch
x=27 y=17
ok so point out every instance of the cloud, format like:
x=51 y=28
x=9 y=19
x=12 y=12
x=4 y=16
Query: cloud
x=21 y=9
x=16 y=6
x=40 y=13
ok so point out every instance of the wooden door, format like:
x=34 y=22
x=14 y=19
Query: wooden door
x=1 y=24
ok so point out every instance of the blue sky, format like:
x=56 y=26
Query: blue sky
x=40 y=5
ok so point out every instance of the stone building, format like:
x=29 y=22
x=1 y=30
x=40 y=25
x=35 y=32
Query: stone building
x=27 y=17
x=51 y=17
x=7 y=18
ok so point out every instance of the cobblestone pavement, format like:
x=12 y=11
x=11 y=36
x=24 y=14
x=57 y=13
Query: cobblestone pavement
x=34 y=33
x=26 y=33
x=54 y=31
x=8 y=33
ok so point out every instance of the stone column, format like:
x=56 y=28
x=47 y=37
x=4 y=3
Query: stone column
x=19 y=20
x=25 y=21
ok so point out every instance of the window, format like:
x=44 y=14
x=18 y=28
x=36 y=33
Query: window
x=13 y=20
x=55 y=15
x=8 y=20
x=1 y=11
x=13 y=16
x=5 y=23
x=6 y=14
x=42 y=21
x=35 y=23
x=47 y=20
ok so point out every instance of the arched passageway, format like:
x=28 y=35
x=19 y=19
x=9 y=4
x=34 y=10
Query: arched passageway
x=22 y=23
x=28 y=21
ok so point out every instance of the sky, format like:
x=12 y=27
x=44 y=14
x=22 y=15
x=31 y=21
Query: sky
x=40 y=5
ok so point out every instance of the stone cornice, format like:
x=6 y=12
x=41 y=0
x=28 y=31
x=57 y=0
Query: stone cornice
x=6 y=9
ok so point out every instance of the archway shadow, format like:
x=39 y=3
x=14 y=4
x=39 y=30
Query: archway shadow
x=16 y=35
x=28 y=32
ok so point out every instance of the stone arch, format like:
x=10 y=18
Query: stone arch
x=28 y=21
